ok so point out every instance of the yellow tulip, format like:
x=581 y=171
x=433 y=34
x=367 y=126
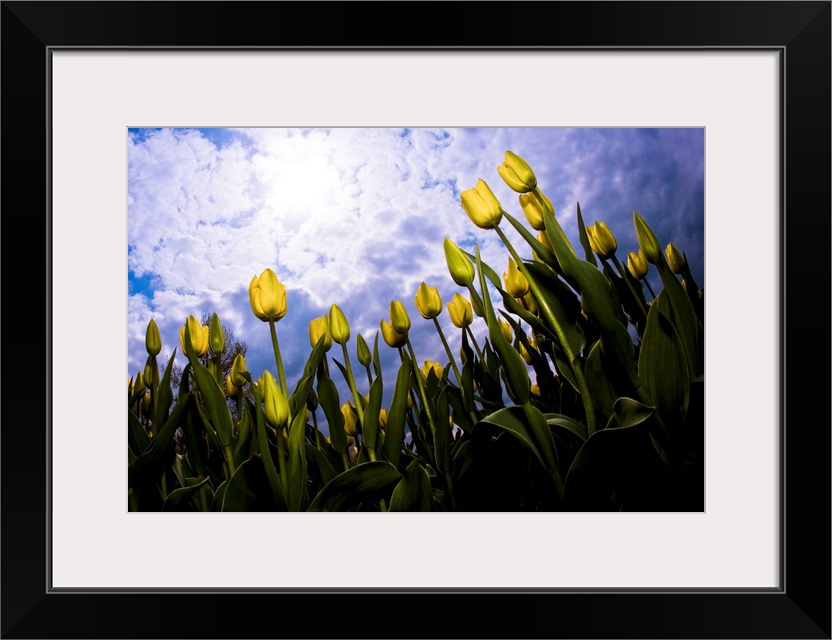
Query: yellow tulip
x=482 y=206
x=392 y=337
x=231 y=390
x=543 y=237
x=459 y=266
x=517 y=174
x=364 y=356
x=430 y=364
x=428 y=302
x=238 y=367
x=601 y=240
x=398 y=317
x=382 y=418
x=198 y=334
x=267 y=296
x=647 y=240
x=350 y=419
x=675 y=259
x=460 y=311
x=516 y=283
x=339 y=328
x=525 y=352
x=216 y=337
x=535 y=390
x=277 y=409
x=530 y=303
x=505 y=329
x=320 y=327
x=637 y=264
x=152 y=339
x=533 y=207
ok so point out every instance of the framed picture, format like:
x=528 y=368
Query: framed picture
x=753 y=77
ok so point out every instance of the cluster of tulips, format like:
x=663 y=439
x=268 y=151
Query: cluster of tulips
x=586 y=395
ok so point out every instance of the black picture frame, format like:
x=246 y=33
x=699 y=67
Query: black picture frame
x=799 y=31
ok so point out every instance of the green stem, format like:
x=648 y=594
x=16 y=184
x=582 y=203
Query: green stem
x=629 y=284
x=369 y=375
x=422 y=393
x=229 y=460
x=281 y=449
x=164 y=484
x=546 y=310
x=448 y=351
x=649 y=288
x=474 y=342
x=281 y=374
x=351 y=383
x=317 y=431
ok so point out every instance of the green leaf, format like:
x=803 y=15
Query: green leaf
x=663 y=367
x=603 y=393
x=248 y=490
x=165 y=397
x=394 y=434
x=569 y=424
x=178 y=498
x=161 y=444
x=331 y=404
x=368 y=482
x=137 y=438
x=319 y=459
x=369 y=430
x=278 y=496
x=296 y=471
x=596 y=301
x=514 y=366
x=413 y=492
x=442 y=436
x=590 y=255
x=218 y=413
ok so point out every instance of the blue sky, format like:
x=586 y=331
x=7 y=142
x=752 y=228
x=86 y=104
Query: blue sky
x=357 y=217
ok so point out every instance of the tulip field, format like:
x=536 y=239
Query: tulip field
x=587 y=393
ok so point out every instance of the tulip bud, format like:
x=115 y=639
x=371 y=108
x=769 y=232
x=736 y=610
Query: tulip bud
x=601 y=240
x=364 y=356
x=534 y=207
x=517 y=174
x=637 y=264
x=339 y=328
x=152 y=339
x=460 y=311
x=198 y=335
x=459 y=266
x=543 y=237
x=277 y=409
x=350 y=419
x=647 y=240
x=398 y=317
x=382 y=418
x=216 y=337
x=482 y=206
x=392 y=337
x=312 y=400
x=320 y=327
x=428 y=302
x=505 y=329
x=516 y=283
x=139 y=384
x=535 y=390
x=476 y=304
x=675 y=259
x=530 y=303
x=267 y=296
x=525 y=352
x=231 y=390
x=430 y=364
x=146 y=404
x=238 y=367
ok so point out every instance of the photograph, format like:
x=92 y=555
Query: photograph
x=416 y=319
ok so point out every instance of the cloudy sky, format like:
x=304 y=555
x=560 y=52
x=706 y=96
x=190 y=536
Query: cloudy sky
x=357 y=217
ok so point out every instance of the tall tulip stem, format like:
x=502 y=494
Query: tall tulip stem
x=629 y=284
x=355 y=395
x=553 y=323
x=278 y=360
x=421 y=384
x=448 y=352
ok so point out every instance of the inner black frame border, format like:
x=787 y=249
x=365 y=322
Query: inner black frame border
x=800 y=608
